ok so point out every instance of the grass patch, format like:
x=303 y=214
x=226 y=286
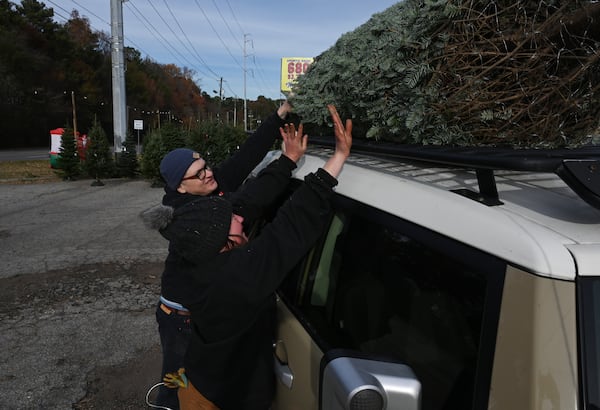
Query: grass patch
x=27 y=172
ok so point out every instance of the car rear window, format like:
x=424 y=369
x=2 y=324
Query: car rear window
x=589 y=314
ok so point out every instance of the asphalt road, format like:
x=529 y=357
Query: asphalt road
x=25 y=154
x=79 y=282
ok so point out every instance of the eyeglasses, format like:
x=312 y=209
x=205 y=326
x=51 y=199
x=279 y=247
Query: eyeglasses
x=201 y=174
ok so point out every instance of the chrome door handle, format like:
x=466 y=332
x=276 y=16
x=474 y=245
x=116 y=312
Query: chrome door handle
x=283 y=372
x=280 y=359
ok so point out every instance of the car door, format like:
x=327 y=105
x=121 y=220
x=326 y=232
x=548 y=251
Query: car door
x=297 y=359
x=388 y=313
x=297 y=355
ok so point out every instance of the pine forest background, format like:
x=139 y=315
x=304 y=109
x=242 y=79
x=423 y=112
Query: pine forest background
x=514 y=73
x=44 y=65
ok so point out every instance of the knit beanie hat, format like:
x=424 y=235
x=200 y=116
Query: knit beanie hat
x=175 y=164
x=197 y=230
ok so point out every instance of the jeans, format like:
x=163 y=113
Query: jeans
x=175 y=332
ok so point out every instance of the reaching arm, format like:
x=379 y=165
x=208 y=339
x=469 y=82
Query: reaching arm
x=343 y=143
x=233 y=171
x=284 y=109
x=298 y=224
x=252 y=198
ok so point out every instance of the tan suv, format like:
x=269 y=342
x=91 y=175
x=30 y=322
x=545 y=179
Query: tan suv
x=448 y=280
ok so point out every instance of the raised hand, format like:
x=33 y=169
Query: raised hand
x=294 y=142
x=343 y=135
x=284 y=109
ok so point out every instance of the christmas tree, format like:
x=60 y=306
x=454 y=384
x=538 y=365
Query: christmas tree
x=99 y=161
x=127 y=163
x=68 y=160
x=465 y=72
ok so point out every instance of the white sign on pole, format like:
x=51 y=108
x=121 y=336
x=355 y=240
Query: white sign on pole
x=138 y=124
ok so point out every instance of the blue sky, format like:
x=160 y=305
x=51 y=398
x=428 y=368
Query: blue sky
x=208 y=36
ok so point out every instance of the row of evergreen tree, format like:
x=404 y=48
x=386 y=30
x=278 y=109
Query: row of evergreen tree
x=215 y=140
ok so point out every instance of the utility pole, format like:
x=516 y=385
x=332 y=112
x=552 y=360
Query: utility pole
x=118 y=73
x=74 y=115
x=220 y=98
x=245 y=102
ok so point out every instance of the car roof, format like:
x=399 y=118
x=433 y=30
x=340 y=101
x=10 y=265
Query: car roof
x=541 y=225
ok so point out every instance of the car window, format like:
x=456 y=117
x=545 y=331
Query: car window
x=381 y=286
x=589 y=312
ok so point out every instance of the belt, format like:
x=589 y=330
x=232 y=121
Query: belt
x=168 y=310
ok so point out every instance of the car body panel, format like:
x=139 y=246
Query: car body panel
x=587 y=258
x=535 y=365
x=526 y=262
x=303 y=359
x=504 y=231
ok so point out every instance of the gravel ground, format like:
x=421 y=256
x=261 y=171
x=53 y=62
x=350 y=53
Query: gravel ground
x=79 y=283
x=81 y=338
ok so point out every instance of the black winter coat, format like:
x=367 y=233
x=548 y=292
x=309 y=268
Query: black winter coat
x=230 y=174
x=249 y=201
x=230 y=356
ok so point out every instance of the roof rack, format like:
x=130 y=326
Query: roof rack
x=578 y=168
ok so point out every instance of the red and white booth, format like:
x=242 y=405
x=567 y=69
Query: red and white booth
x=55 y=144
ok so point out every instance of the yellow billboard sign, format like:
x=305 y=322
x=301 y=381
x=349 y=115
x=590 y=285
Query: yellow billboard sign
x=291 y=69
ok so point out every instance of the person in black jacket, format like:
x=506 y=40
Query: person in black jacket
x=187 y=176
x=229 y=361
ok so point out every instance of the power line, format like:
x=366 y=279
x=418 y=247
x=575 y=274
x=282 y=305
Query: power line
x=260 y=74
x=174 y=34
x=178 y=40
x=56 y=5
x=231 y=90
x=253 y=55
x=136 y=13
x=169 y=47
x=105 y=22
x=259 y=69
x=227 y=25
x=92 y=13
x=242 y=34
x=189 y=42
x=156 y=34
x=217 y=34
x=242 y=31
x=66 y=19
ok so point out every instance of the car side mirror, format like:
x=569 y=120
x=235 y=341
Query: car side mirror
x=350 y=383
